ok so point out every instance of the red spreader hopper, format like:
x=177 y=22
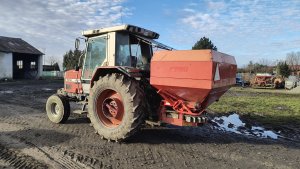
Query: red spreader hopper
x=189 y=81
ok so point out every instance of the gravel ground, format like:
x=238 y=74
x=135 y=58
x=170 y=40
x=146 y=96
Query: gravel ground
x=29 y=140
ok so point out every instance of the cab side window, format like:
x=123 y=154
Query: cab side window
x=95 y=56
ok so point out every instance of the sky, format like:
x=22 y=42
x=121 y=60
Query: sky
x=250 y=30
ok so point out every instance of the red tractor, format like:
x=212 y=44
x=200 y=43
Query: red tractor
x=123 y=84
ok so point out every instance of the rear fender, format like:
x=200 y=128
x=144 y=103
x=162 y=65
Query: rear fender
x=127 y=71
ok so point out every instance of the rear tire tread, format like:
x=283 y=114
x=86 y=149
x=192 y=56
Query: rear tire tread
x=133 y=106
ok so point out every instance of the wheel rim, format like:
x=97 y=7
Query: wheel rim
x=110 y=108
x=55 y=109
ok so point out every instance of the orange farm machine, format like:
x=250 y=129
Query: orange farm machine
x=129 y=79
x=265 y=80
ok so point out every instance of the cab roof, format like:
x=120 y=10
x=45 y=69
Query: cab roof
x=127 y=28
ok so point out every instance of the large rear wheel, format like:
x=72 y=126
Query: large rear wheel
x=116 y=107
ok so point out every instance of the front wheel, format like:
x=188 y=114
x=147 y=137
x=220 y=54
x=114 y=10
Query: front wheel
x=58 y=108
x=116 y=107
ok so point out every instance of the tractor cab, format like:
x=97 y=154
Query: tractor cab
x=119 y=48
x=126 y=46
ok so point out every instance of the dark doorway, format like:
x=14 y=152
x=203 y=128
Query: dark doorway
x=25 y=66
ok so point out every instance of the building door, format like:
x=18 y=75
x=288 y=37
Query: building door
x=25 y=66
x=18 y=69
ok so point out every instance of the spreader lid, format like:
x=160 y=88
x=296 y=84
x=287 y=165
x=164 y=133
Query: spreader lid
x=193 y=55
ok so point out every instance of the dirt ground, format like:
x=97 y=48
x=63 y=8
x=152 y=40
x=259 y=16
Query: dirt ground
x=29 y=140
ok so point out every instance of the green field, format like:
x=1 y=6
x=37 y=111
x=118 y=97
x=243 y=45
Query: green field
x=266 y=106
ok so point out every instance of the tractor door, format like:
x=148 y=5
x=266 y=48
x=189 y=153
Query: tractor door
x=96 y=56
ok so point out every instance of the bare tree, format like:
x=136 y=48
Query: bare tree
x=52 y=60
x=298 y=59
x=293 y=60
x=249 y=68
x=265 y=65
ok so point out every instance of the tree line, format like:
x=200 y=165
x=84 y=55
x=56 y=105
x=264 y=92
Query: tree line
x=283 y=67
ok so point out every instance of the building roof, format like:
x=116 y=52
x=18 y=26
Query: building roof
x=294 y=67
x=17 y=45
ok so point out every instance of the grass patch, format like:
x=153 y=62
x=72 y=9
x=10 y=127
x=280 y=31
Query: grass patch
x=265 y=106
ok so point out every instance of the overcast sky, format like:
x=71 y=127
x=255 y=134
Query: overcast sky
x=249 y=30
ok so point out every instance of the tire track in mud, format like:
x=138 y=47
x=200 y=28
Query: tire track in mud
x=40 y=121
x=25 y=139
x=13 y=120
x=83 y=131
x=154 y=158
x=181 y=154
x=19 y=160
x=55 y=156
x=65 y=159
x=134 y=156
x=192 y=154
x=165 y=154
x=65 y=162
x=17 y=117
x=84 y=160
x=50 y=156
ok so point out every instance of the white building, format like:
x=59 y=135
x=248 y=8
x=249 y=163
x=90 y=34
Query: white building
x=19 y=60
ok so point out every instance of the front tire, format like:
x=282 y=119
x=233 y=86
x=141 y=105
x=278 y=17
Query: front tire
x=58 y=108
x=116 y=107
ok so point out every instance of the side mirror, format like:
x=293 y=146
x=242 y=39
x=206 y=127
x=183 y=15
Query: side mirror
x=77 y=43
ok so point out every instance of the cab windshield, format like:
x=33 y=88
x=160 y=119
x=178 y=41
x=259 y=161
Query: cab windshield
x=134 y=51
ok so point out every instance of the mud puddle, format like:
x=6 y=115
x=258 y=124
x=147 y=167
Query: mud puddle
x=6 y=92
x=233 y=123
x=47 y=89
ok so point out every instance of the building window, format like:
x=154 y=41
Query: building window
x=32 y=65
x=20 y=64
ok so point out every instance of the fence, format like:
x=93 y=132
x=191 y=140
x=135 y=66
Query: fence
x=53 y=74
